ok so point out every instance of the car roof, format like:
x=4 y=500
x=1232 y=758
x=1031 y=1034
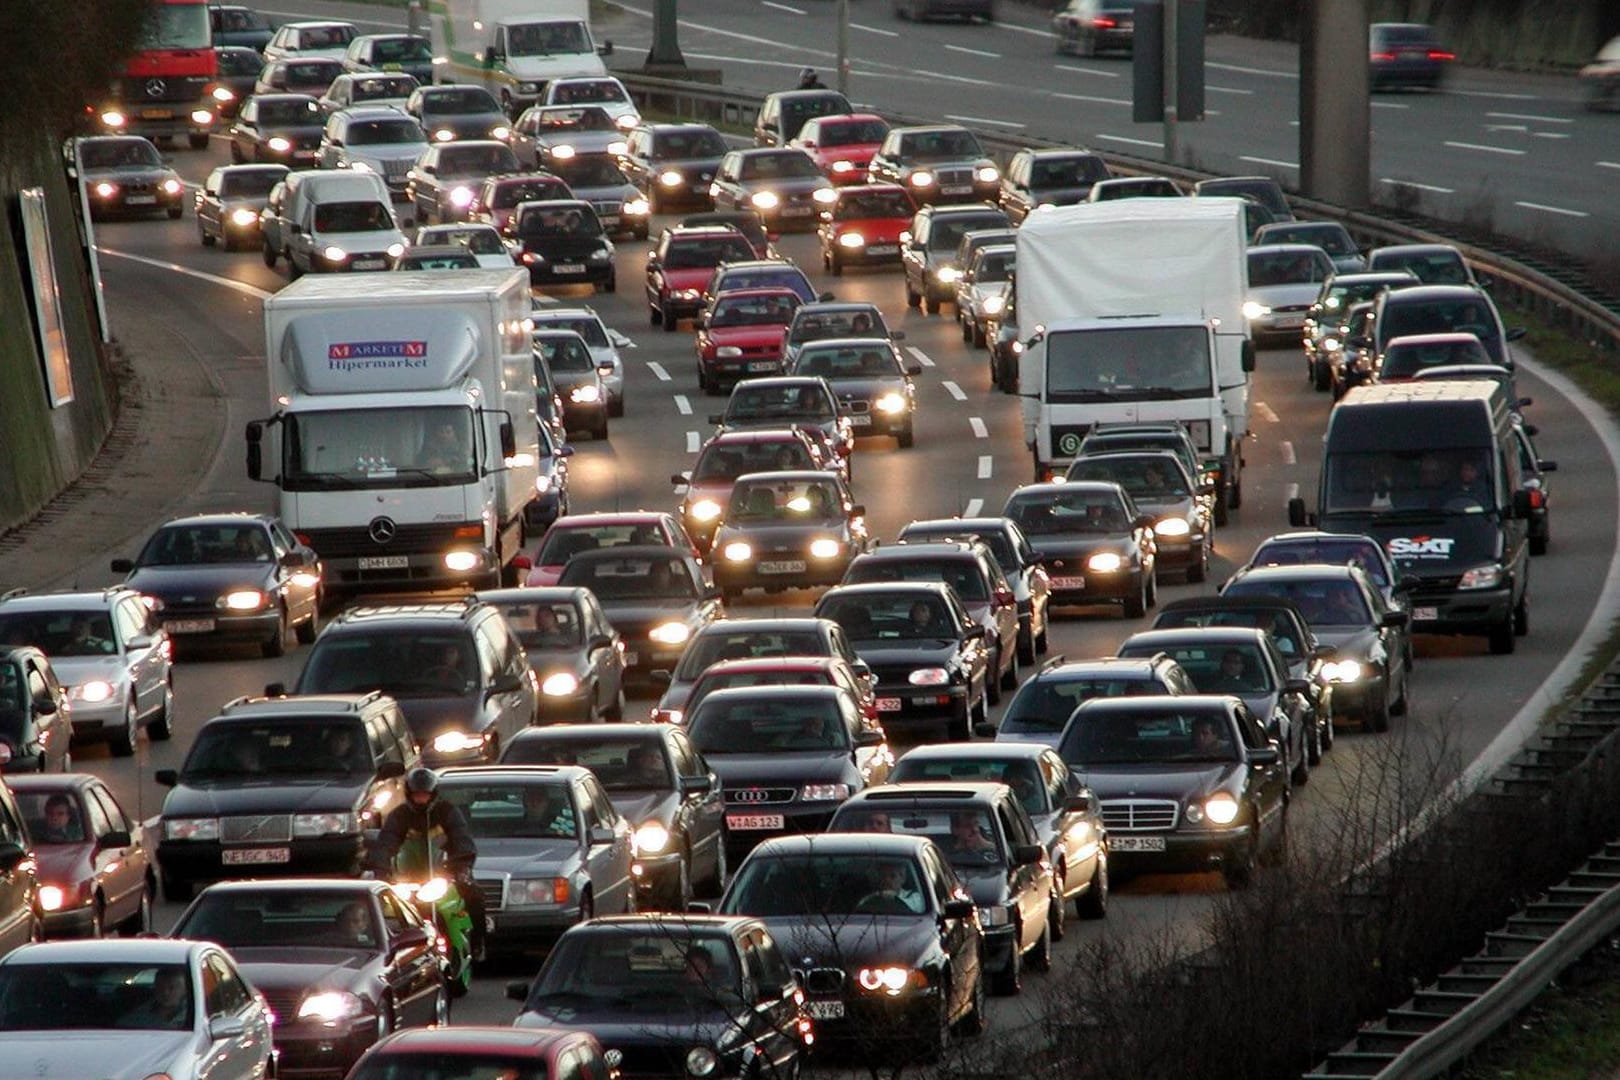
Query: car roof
x=1169 y=637
x=19 y=600
x=969 y=526
x=822 y=307
x=771 y=663
x=141 y=950
x=512 y=773
x=951 y=792
x=632 y=551
x=1058 y=487
x=755 y=435
x=238 y=517
x=864 y=189
x=1369 y=277
x=892 y=845
x=1060 y=669
x=1282 y=249
x=1305 y=536
x=1419 y=294
x=51 y=781
x=250 y=709
x=788 y=476
x=765 y=624
x=298 y=884
x=588 y=732
x=976 y=751
x=1451 y=338
x=478 y=1039
x=618 y=517
x=1297 y=572
x=394 y=614
x=903 y=550
x=1232 y=603
x=1158 y=702
x=534 y=594
x=871 y=588
x=724 y=924
x=781 y=380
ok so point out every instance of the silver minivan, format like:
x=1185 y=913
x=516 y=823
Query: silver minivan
x=341 y=221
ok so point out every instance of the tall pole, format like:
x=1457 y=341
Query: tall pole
x=843 y=46
x=1171 y=89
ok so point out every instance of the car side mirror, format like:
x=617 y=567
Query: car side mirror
x=566 y=450
x=599 y=641
x=517 y=990
x=867 y=737
x=826 y=297
x=508 y=439
x=522 y=562
x=912 y=368
x=660 y=677
x=861 y=668
x=957 y=909
x=1522 y=506
x=652 y=259
x=430 y=170
x=45 y=706
x=973 y=633
x=118 y=838
x=605 y=49
x=139 y=641
x=858 y=509
x=716 y=418
x=1516 y=333
x=712 y=593
x=221 y=1028
x=601 y=834
x=1145 y=521
x=1395 y=619
x=390 y=770
x=1543 y=465
x=1297 y=686
x=1266 y=755
x=293 y=560
x=984 y=730
x=1408 y=583
x=696 y=785
x=699 y=907
x=409 y=939
x=1523 y=403
x=506 y=684
x=680 y=479
x=1297 y=516
x=123 y=566
x=167 y=777
x=1078 y=803
x=11 y=856
x=1532 y=430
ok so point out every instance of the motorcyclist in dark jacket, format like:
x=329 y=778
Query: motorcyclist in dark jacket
x=421 y=814
x=809 y=80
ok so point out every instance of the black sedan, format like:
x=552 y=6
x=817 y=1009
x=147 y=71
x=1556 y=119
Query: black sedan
x=1371 y=671
x=1186 y=783
x=873 y=384
x=448 y=113
x=577 y=379
x=562 y=242
x=804 y=402
x=340 y=963
x=928 y=654
x=228 y=577
x=787 y=757
x=666 y=995
x=662 y=786
x=35 y=724
x=673 y=164
x=1158 y=483
x=655 y=597
x=239 y=68
x=785 y=185
x=574 y=650
x=1097 y=545
x=284 y=129
x=889 y=939
x=787 y=530
x=125 y=174
x=1018 y=561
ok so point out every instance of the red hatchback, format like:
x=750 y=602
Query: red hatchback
x=520 y=1053
x=865 y=226
x=743 y=334
x=842 y=145
x=731 y=454
x=570 y=535
x=681 y=265
x=783 y=671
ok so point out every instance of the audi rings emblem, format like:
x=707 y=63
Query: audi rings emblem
x=752 y=795
x=156 y=88
x=382 y=529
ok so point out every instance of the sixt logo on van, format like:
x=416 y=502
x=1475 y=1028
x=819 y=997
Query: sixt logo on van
x=370 y=350
x=1421 y=547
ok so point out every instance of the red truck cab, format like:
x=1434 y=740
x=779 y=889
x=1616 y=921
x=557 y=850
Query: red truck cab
x=166 y=86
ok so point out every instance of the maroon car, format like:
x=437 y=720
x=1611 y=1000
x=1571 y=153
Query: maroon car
x=682 y=263
x=520 y=1053
x=95 y=872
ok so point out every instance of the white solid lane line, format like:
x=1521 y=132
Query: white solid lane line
x=658 y=369
x=683 y=405
x=783 y=7
x=954 y=390
x=1553 y=209
x=921 y=357
x=1036 y=31
x=987 y=464
x=1131 y=142
x=1609 y=164
x=874 y=30
x=1271 y=161
x=1550 y=135
x=1085 y=71
x=1253 y=71
x=974 y=52
x=973 y=508
x=1090 y=97
x=982 y=120
x=1492 y=94
x=693 y=441
x=1486 y=149
x=979 y=430
x=1388 y=105
x=1527 y=116
x=1228 y=90
x=1287 y=450
x=213 y=279
x=1420 y=187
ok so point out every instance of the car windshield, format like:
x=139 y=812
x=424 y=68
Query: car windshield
x=1352 y=551
x=559 y=120
x=1044 y=705
x=849 y=362
x=851 y=132
x=313 y=73
x=637 y=763
x=709 y=251
x=283 y=918
x=1344 y=296
x=1237 y=668
x=1143 y=477
x=1330 y=237
x=1067 y=172
x=1022 y=775
x=1401 y=360
x=1140 y=737
x=294 y=746
x=1105 y=444
x=813 y=324
x=65 y=996
x=1456 y=480
x=371 y=216
x=53 y=817
x=384 y=447
x=588 y=91
x=1144 y=364
x=565 y=353
x=779 y=724
x=1098 y=512
x=239 y=63
x=479 y=241
x=967 y=838
x=993 y=267
x=458 y=101
x=669 y=967
x=1429 y=267
x=564 y=541
x=961 y=573
x=61 y=632
x=403 y=662
x=641 y=578
x=775 y=165
x=787 y=403
x=686 y=143
x=506 y=194
x=590 y=171
x=1333 y=602
x=716 y=645
x=393 y=50
x=532 y=809
x=113 y=153
x=947 y=232
x=588 y=327
x=940 y=146
x=187 y=545
x=827 y=885
x=880 y=616
x=874 y=204
x=768 y=309
x=249 y=183
x=801 y=107
x=1288 y=268
x=1283 y=630
x=288 y=112
x=768 y=501
x=462 y=161
x=543 y=625
x=398 y=1064
x=374 y=87
x=383 y=132
x=324 y=37
x=1471 y=316
x=727 y=461
x=541 y=38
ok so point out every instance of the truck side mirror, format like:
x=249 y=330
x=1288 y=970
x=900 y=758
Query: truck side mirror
x=1297 y=517
x=508 y=439
x=606 y=48
x=255 y=450
x=1516 y=333
x=1248 y=356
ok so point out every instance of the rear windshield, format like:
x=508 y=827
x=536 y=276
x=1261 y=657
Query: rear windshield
x=459 y=101
x=852 y=132
x=875 y=204
x=249 y=184
x=962 y=574
x=1044 y=705
x=508 y=194
x=727 y=462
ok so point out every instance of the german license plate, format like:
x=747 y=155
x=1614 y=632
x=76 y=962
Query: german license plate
x=1068 y=583
x=825 y=1010
x=1291 y=322
x=860 y=420
x=782 y=566
x=881 y=249
x=888 y=704
x=797 y=211
x=956 y=189
x=189 y=626
x=762 y=365
x=383 y=562
x=369 y=264
x=1425 y=614
x=754 y=821
x=608 y=220
x=570 y=268
x=157 y=114
x=1135 y=843
x=142 y=200
x=257 y=856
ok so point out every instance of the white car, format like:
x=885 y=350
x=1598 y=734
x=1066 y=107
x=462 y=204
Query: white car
x=374 y=89
x=1284 y=281
x=325 y=39
x=130 y=1009
x=603 y=342
x=483 y=241
x=373 y=139
x=601 y=90
x=111 y=656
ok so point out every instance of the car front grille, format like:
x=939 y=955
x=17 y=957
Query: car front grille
x=397 y=170
x=854 y=404
x=284 y=1004
x=952 y=177
x=893 y=675
x=612 y=207
x=1290 y=309
x=256 y=829
x=757 y=796
x=493 y=890
x=821 y=980
x=1140 y=815
x=342 y=543
x=650 y=1061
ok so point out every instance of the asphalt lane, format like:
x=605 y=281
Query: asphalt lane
x=1462 y=696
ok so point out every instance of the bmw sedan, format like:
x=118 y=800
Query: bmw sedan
x=1097 y=545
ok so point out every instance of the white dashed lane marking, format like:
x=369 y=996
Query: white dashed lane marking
x=973 y=508
x=1486 y=149
x=954 y=390
x=987 y=465
x=682 y=405
x=1265 y=412
x=979 y=430
x=1553 y=209
x=1287 y=449
x=921 y=357
x=658 y=369
x=693 y=441
x=974 y=52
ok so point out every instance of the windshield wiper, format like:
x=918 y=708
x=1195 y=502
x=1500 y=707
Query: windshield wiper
x=333 y=479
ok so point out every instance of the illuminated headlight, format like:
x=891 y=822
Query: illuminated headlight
x=728 y=351
x=333 y=253
x=51 y=898
x=825 y=196
x=324 y=825
x=890 y=403
x=562 y=152
x=1017 y=347
x=461 y=196
x=1253 y=309
x=172 y=186
x=1331 y=303
x=561 y=684
x=500 y=131
x=1332 y=345
x=1344 y=671
x=626 y=122
x=433 y=890
x=637 y=207
x=905 y=236
x=1221 y=809
x=330 y=1007
x=538 y=891
x=929 y=676
x=671 y=178
x=994 y=916
x=921 y=178
x=948 y=275
x=359 y=167
x=599 y=255
x=457 y=742
x=1104 y=562
x=618 y=147
x=889 y=980
x=764 y=200
x=113 y=118
x=461 y=561
x=843 y=166
x=701 y=1061
x=704 y=510
x=738 y=551
x=443 y=135
x=1481 y=577
x=1172 y=526
x=585 y=395
x=305 y=580
x=543 y=482
x=823 y=792
x=851 y=240
x=994 y=303
x=106 y=190
x=279 y=144
x=201 y=116
x=687 y=294
x=395 y=250
x=651 y=838
x=986 y=174
x=825 y=548
x=191 y=829
x=96 y=690
x=670 y=633
x=244 y=217
x=222 y=94
x=243 y=600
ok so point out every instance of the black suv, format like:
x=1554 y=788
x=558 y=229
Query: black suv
x=929 y=257
x=942 y=163
x=459 y=672
x=282 y=786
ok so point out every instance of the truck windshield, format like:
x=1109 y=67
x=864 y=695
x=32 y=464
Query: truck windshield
x=1137 y=364
x=541 y=39
x=1441 y=481
x=371 y=448
x=177 y=26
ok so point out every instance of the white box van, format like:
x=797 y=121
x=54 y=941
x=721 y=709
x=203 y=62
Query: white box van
x=341 y=221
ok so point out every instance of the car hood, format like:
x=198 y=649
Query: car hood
x=1160 y=780
x=1064 y=196
x=1348 y=642
x=787 y=185
x=63 y=864
x=866 y=389
x=528 y=856
x=986 y=884
x=1288 y=295
x=300 y=967
x=786 y=766
x=278 y=795
x=476 y=124
x=114 y=1055
x=1166 y=505
x=1065 y=553
x=746 y=335
x=874 y=228
x=853 y=941
x=644 y=613
x=859 y=153
x=703 y=165
x=364 y=242
x=638 y=807
x=550 y=661
x=594 y=193
x=584 y=142
x=687 y=277
x=428 y=716
x=199 y=581
x=74 y=670
x=295 y=132
x=923 y=652
x=560 y=248
x=672 y=1021
x=567 y=380
x=774 y=537
x=151 y=173
x=375 y=155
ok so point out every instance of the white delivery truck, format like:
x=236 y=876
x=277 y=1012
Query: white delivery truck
x=513 y=48
x=404 y=436
x=1134 y=309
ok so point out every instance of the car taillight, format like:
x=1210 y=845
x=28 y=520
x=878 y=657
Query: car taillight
x=1537 y=499
x=1437 y=54
x=1102 y=22
x=1383 y=57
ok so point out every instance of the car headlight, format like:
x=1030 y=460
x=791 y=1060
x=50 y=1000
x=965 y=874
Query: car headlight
x=307 y=825
x=459 y=562
x=1221 y=809
x=851 y=240
x=525 y=892
x=51 y=898
x=921 y=178
x=905 y=236
x=637 y=207
x=728 y=351
x=889 y=980
x=738 y=551
x=153 y=603
x=560 y=684
x=994 y=915
x=1253 y=309
x=244 y=217
x=562 y=151
x=687 y=294
x=1331 y=344
x=457 y=742
x=191 y=829
x=1104 y=562
x=670 y=633
x=330 y=1006
x=1488 y=576
x=500 y=131
x=113 y=118
x=842 y=166
x=333 y=253
x=243 y=600
x=1343 y=671
x=890 y=403
x=106 y=190
x=172 y=186
x=948 y=275
x=359 y=167
x=96 y=690
x=823 y=792
x=201 y=116
x=279 y=144
x=528 y=88
x=585 y=395
x=929 y=676
x=825 y=548
x=395 y=250
x=994 y=303
x=764 y=200
x=671 y=178
x=461 y=196
x=825 y=196
x=443 y=135
x=701 y=1061
x=1172 y=526
x=704 y=510
x=222 y=94
x=651 y=838
x=986 y=174
x=543 y=483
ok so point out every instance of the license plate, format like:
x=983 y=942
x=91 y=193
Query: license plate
x=888 y=704
x=383 y=562
x=1425 y=614
x=762 y=365
x=1290 y=323
x=258 y=856
x=1413 y=54
x=883 y=249
x=632 y=659
x=189 y=626
x=1135 y=843
x=753 y=821
x=956 y=189
x=782 y=566
x=608 y=220
x=797 y=211
x=825 y=1010
x=570 y=268
x=861 y=420
x=369 y=264
x=1068 y=583
x=142 y=200
x=157 y=114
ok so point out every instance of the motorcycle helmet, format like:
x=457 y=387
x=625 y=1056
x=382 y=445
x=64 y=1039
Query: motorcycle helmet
x=420 y=781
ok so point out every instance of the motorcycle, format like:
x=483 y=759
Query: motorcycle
x=421 y=880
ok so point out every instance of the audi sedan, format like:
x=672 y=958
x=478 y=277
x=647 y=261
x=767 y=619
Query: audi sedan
x=1097 y=545
x=725 y=457
x=574 y=533
x=1158 y=483
x=787 y=530
x=736 y=640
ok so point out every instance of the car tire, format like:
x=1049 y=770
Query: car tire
x=205 y=236
x=931 y=305
x=1010 y=983
x=1313 y=745
x=1136 y=606
x=1402 y=705
x=967 y=331
x=1042 y=639
x=141 y=921
x=715 y=885
x=1009 y=678
x=913 y=298
x=1040 y=957
x=1239 y=872
x=178 y=890
x=174 y=212
x=615 y=712
x=236 y=154
x=122 y=742
x=1378 y=717
x=441 y=1005
x=937 y=1043
x=1057 y=918
x=1093 y=903
x=161 y=727
x=1222 y=511
x=1521 y=617
x=270 y=255
x=198 y=140
x=1322 y=378
x=1026 y=646
x=277 y=644
x=668 y=319
x=992 y=680
x=1502 y=637
x=978 y=336
x=293 y=273
x=304 y=632
x=1198 y=569
x=960 y=728
x=1301 y=773
x=907 y=438
x=681 y=894
x=835 y=266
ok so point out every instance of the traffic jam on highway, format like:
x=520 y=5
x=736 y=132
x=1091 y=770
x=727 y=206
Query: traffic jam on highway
x=726 y=780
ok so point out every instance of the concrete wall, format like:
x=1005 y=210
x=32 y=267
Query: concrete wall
x=42 y=449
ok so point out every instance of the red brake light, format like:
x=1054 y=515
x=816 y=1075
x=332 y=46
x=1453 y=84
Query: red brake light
x=1383 y=56
x=1437 y=54
x=1537 y=498
x=1102 y=22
